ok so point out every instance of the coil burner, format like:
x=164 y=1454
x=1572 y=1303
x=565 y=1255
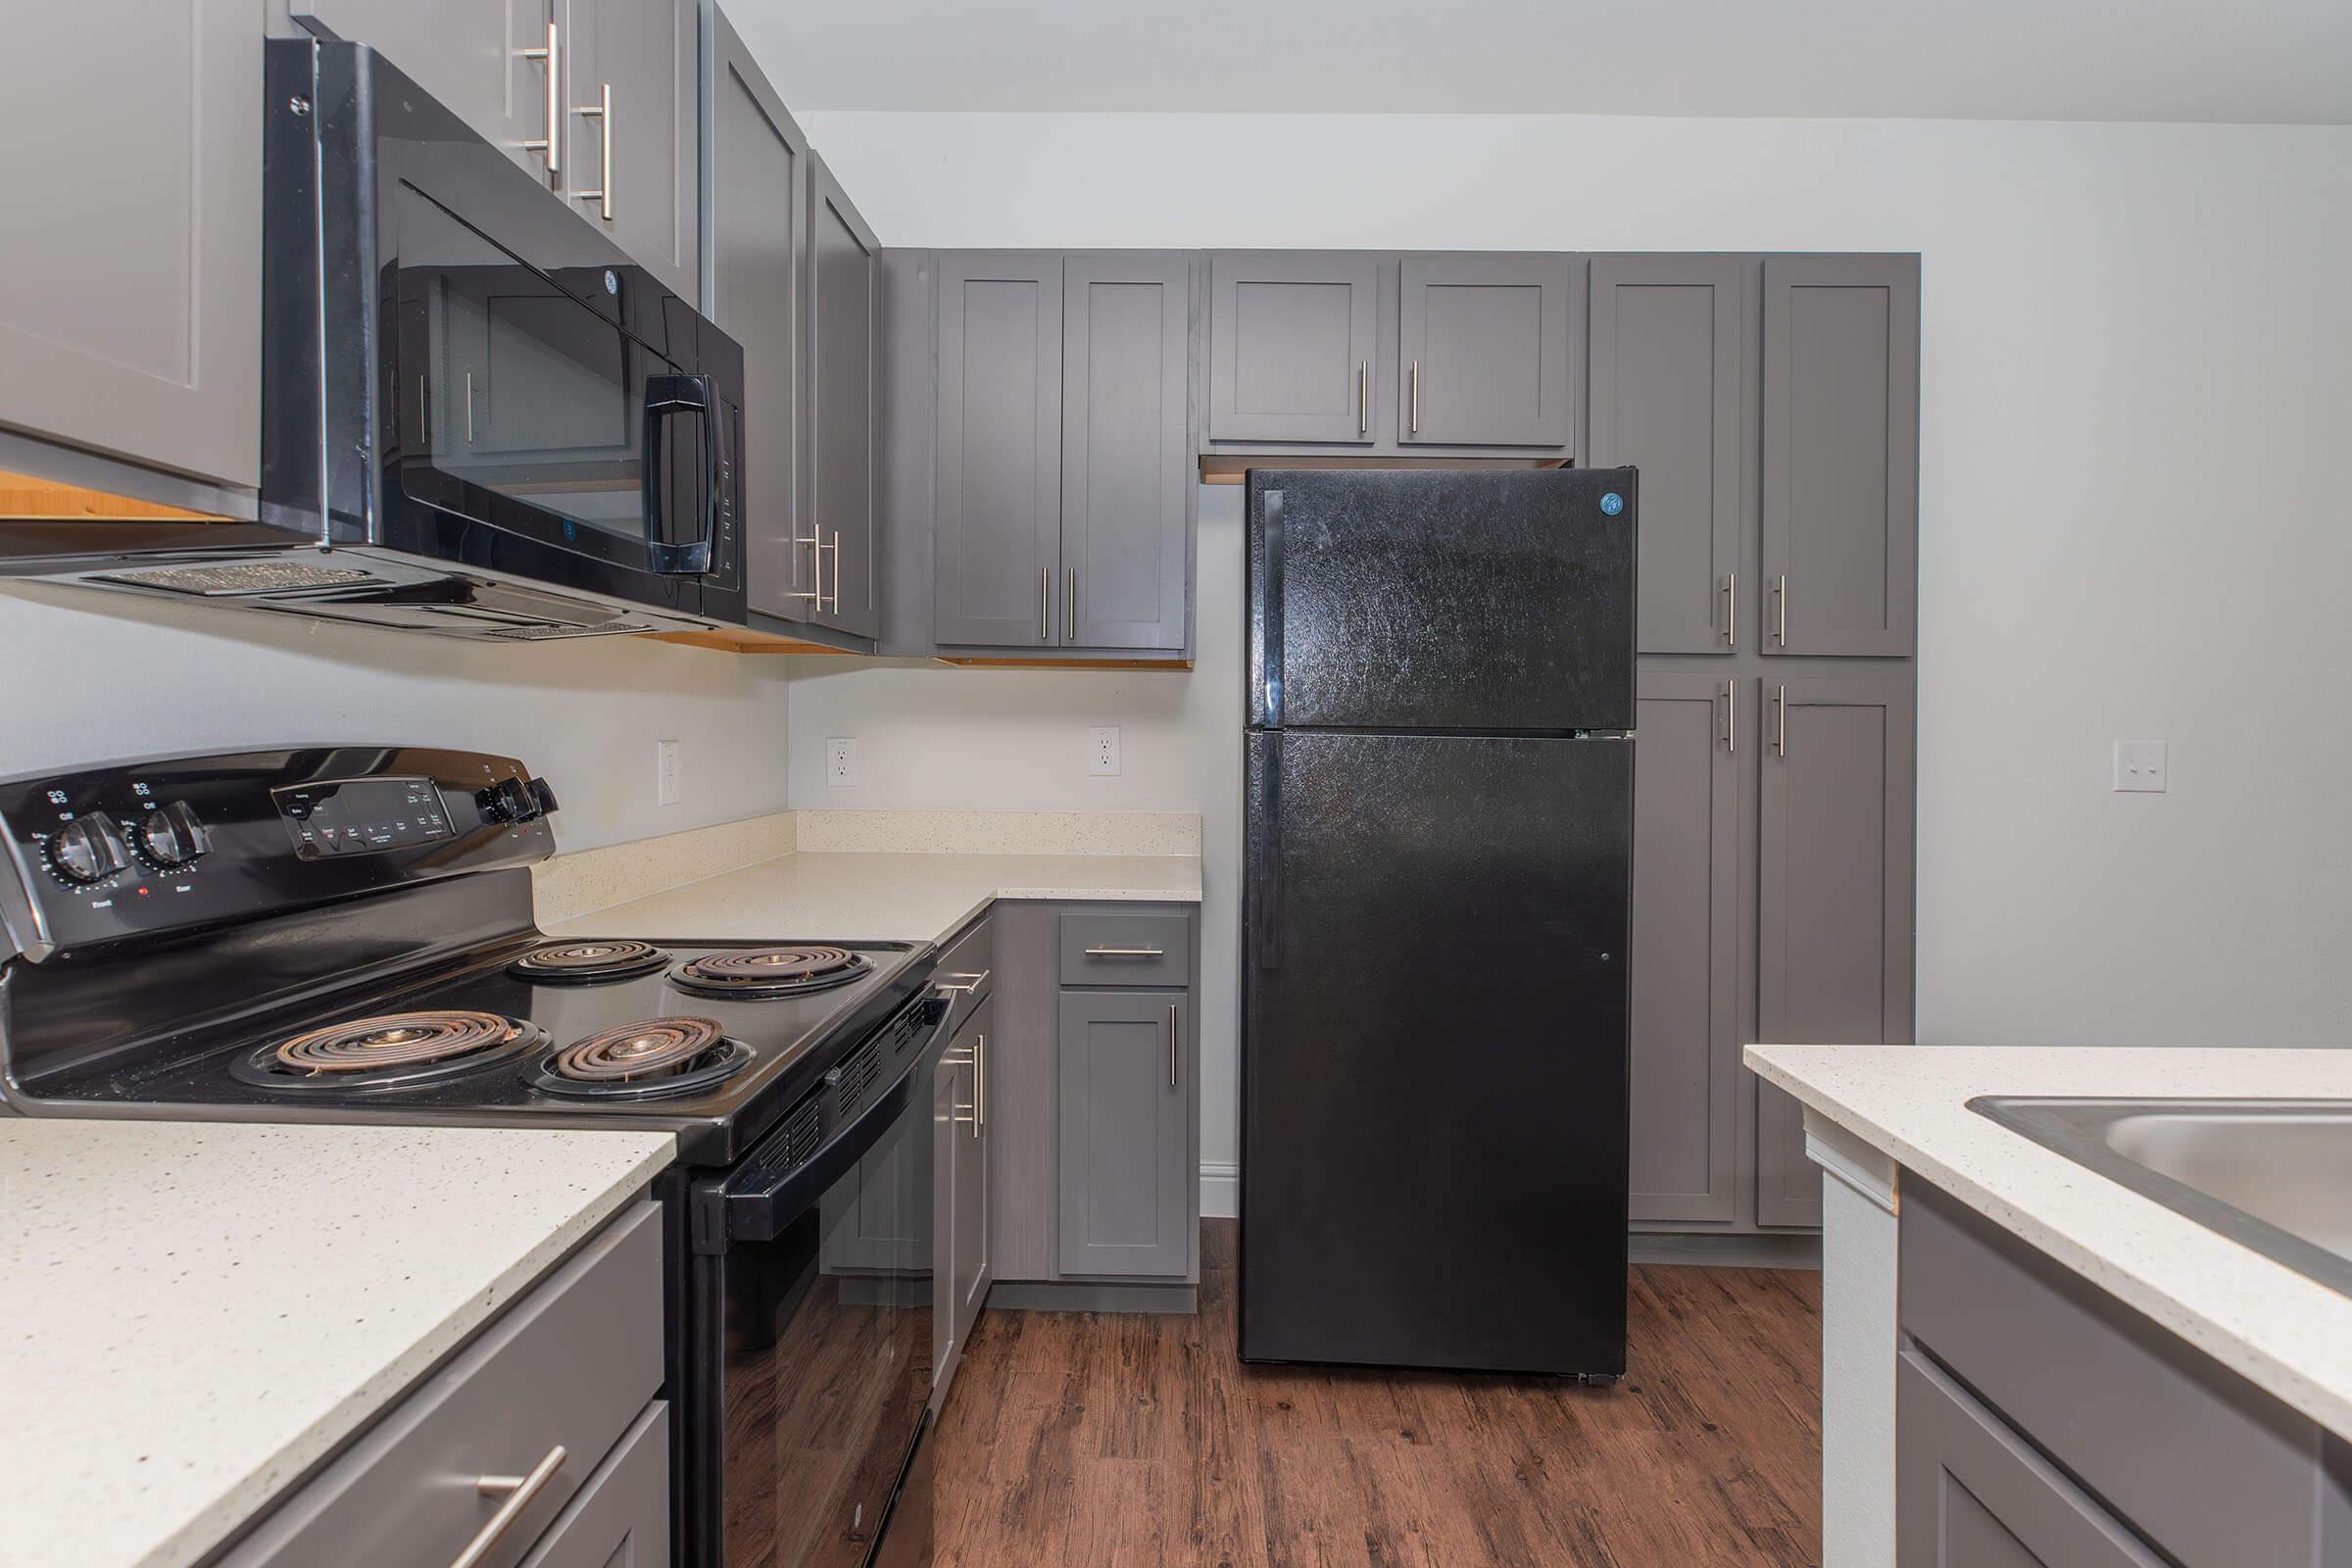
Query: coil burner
x=582 y=963
x=640 y=1061
x=394 y=1049
x=769 y=972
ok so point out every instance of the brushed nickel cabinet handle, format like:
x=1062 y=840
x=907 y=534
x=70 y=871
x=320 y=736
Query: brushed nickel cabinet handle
x=1730 y=717
x=1731 y=613
x=601 y=111
x=817 y=564
x=1363 y=397
x=980 y=1086
x=1779 y=601
x=835 y=547
x=1171 y=1045
x=1069 y=609
x=1125 y=952
x=1416 y=385
x=1780 y=721
x=1045 y=598
x=522 y=1491
x=551 y=143
x=968 y=982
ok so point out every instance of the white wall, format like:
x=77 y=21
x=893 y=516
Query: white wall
x=92 y=677
x=2138 y=387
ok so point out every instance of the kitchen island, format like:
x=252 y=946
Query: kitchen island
x=1917 y=1178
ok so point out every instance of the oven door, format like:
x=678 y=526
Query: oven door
x=559 y=420
x=814 y=1367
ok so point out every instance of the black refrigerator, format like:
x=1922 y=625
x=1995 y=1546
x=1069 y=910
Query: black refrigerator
x=1437 y=863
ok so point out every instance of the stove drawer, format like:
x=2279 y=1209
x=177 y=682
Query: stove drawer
x=1102 y=949
x=968 y=968
x=572 y=1365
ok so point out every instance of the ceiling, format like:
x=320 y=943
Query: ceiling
x=2266 y=61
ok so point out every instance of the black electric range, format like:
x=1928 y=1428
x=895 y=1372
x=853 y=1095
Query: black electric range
x=345 y=933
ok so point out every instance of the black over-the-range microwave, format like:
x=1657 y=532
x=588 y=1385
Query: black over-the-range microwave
x=478 y=416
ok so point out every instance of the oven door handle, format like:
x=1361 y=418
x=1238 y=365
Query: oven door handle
x=767 y=1201
x=666 y=395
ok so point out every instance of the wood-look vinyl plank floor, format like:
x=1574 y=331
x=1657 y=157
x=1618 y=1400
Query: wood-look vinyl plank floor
x=1141 y=1441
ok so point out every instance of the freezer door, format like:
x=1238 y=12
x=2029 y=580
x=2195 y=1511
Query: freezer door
x=1434 y=1062
x=1461 y=600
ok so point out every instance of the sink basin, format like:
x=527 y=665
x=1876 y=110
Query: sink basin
x=2273 y=1174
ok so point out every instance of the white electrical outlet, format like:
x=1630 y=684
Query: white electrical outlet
x=669 y=779
x=2139 y=765
x=840 y=763
x=1103 y=750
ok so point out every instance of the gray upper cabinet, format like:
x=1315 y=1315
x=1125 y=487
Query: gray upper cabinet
x=1686 y=956
x=840 y=498
x=1482 y=348
x=631 y=154
x=1125 y=450
x=486 y=62
x=1841 y=503
x=1125 y=1180
x=1669 y=366
x=759 y=204
x=1294 y=338
x=997 y=518
x=133 y=326
x=1834 y=907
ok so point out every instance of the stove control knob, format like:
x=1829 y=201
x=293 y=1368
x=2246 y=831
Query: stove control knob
x=543 y=797
x=171 y=835
x=506 y=800
x=88 y=848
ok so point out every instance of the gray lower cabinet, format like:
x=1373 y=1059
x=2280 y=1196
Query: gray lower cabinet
x=759 y=201
x=632 y=154
x=1125 y=1189
x=566 y=1378
x=840 y=499
x=1670 y=371
x=1483 y=344
x=1686 y=948
x=961 y=1255
x=486 y=62
x=1293 y=340
x=1834 y=895
x=997 y=542
x=133 y=326
x=1841 y=464
x=1971 y=1494
x=1126 y=486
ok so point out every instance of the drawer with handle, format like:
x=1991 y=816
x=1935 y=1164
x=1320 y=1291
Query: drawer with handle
x=966 y=970
x=1100 y=948
x=471 y=1468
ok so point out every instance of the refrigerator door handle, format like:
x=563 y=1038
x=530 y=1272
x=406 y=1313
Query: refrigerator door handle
x=1267 y=882
x=1272 y=649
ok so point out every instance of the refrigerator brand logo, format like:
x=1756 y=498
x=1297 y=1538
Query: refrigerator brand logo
x=1612 y=504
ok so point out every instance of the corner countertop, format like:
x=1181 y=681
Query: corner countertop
x=854 y=897
x=2281 y=1331
x=198 y=1312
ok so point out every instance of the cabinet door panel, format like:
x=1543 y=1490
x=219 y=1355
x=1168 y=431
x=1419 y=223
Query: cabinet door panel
x=133 y=326
x=951 y=1100
x=1685 y=960
x=466 y=52
x=759 y=201
x=1835 y=933
x=1842 y=452
x=969 y=1276
x=1122 y=1182
x=999 y=507
x=1125 y=468
x=1669 y=359
x=622 y=1515
x=845 y=290
x=1971 y=1494
x=1291 y=343
x=1483 y=350
x=646 y=52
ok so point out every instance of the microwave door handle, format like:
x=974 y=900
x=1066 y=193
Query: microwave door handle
x=666 y=395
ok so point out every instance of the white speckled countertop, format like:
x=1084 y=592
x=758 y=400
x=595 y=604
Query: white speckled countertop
x=2284 y=1332
x=882 y=897
x=196 y=1311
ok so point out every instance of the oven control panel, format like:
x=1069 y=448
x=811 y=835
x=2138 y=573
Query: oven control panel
x=137 y=849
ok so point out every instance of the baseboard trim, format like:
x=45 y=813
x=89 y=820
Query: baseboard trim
x=1220 y=1189
x=1085 y=1296
x=1726 y=1251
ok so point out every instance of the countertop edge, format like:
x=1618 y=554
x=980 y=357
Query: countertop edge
x=249 y=1500
x=2246 y=1356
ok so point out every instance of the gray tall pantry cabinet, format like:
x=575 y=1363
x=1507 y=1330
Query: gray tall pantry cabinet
x=1771 y=403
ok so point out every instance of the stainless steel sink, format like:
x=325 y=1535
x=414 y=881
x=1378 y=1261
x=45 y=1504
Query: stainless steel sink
x=2273 y=1174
